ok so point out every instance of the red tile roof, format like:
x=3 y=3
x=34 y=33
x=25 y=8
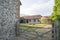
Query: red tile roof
x=32 y=17
x=48 y=17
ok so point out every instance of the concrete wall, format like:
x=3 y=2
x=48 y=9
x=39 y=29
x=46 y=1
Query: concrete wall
x=8 y=18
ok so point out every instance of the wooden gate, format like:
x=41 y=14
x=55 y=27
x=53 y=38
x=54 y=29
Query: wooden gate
x=39 y=34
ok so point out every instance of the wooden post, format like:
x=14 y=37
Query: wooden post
x=55 y=30
x=18 y=23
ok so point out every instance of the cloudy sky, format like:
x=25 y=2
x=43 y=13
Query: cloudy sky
x=36 y=7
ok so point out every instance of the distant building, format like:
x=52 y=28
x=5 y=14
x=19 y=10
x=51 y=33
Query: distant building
x=47 y=18
x=30 y=19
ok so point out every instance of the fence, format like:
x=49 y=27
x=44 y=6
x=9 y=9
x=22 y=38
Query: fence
x=35 y=34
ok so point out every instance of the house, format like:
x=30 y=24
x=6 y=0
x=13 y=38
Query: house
x=45 y=19
x=48 y=19
x=30 y=19
x=22 y=20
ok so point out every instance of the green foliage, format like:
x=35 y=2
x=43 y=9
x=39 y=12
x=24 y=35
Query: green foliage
x=56 y=11
x=53 y=16
x=36 y=25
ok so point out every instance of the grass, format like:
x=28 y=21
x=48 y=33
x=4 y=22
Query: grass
x=32 y=27
x=28 y=29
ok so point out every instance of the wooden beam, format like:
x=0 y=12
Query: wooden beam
x=18 y=9
x=18 y=16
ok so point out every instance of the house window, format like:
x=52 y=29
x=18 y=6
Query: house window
x=27 y=20
x=38 y=20
x=34 y=20
x=30 y=20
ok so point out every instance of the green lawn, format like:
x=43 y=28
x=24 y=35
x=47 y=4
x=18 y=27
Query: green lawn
x=31 y=27
x=34 y=25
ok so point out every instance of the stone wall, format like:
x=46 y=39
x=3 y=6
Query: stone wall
x=8 y=18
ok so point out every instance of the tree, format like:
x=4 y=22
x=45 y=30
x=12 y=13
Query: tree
x=56 y=14
x=56 y=11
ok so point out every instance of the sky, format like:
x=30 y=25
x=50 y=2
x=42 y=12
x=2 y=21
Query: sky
x=36 y=7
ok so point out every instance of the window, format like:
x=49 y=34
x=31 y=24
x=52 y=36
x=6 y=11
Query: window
x=30 y=20
x=38 y=20
x=34 y=20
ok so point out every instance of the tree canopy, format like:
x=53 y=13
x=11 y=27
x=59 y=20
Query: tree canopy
x=56 y=11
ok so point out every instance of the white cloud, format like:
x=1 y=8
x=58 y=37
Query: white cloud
x=39 y=8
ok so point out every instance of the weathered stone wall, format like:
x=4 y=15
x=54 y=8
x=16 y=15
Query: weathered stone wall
x=8 y=18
